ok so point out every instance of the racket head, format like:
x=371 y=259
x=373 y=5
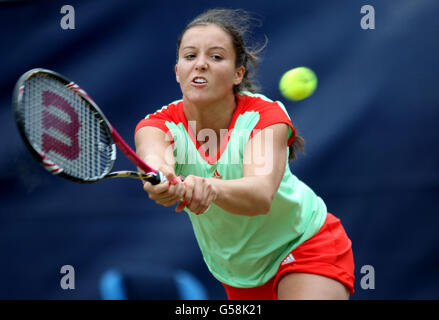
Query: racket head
x=63 y=127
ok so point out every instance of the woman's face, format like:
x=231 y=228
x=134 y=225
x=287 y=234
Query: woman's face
x=206 y=68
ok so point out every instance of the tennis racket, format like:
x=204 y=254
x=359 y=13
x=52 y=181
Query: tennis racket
x=67 y=132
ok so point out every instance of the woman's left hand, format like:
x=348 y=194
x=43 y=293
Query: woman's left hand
x=199 y=194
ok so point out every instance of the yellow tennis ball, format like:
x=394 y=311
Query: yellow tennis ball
x=298 y=83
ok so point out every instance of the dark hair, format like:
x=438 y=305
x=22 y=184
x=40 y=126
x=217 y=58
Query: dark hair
x=298 y=144
x=237 y=23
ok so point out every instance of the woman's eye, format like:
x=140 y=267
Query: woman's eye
x=189 y=56
x=217 y=57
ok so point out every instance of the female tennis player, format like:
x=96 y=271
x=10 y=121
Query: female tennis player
x=263 y=233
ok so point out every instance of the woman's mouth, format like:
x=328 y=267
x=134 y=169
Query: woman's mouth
x=199 y=81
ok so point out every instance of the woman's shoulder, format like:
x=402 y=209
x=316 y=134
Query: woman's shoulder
x=254 y=97
x=258 y=102
x=168 y=110
x=172 y=112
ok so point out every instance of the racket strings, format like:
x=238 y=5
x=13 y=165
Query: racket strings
x=60 y=125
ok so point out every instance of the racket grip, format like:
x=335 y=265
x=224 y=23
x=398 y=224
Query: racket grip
x=157 y=178
x=160 y=178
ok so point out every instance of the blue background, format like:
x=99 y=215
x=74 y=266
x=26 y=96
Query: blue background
x=371 y=130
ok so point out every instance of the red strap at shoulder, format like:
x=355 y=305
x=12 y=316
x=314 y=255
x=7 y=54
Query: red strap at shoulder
x=270 y=112
x=171 y=113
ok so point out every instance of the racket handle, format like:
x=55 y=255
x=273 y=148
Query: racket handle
x=152 y=177
x=160 y=178
x=156 y=178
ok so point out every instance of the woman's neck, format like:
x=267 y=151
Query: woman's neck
x=210 y=119
x=214 y=116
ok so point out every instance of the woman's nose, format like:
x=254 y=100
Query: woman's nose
x=201 y=64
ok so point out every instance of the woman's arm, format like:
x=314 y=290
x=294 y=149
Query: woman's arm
x=154 y=147
x=264 y=166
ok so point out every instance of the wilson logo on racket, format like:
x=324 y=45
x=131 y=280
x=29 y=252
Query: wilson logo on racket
x=68 y=129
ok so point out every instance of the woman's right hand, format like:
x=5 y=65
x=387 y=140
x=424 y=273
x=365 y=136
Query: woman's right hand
x=167 y=193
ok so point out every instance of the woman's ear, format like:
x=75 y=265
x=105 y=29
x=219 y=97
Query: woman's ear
x=239 y=75
x=176 y=74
